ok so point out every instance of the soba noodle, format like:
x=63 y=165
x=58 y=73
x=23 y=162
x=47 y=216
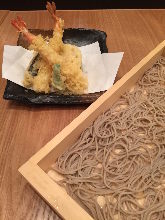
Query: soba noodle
x=116 y=169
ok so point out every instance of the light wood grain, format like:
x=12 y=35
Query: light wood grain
x=24 y=130
x=3 y=14
x=55 y=195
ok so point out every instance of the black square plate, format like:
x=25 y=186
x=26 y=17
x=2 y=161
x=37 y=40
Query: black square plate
x=78 y=37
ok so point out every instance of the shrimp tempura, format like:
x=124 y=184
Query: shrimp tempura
x=59 y=65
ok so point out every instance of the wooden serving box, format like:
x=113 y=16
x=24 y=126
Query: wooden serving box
x=34 y=170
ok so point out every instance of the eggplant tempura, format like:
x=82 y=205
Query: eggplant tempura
x=58 y=66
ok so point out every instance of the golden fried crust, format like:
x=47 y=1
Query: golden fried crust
x=41 y=82
x=45 y=51
x=71 y=51
x=28 y=80
x=75 y=80
x=56 y=42
x=56 y=52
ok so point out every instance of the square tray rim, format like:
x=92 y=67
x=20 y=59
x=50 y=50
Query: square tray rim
x=56 y=99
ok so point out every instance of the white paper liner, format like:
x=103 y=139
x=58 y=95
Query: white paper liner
x=101 y=69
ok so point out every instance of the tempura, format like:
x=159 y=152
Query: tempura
x=58 y=65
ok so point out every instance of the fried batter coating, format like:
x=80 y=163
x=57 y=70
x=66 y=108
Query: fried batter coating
x=45 y=50
x=56 y=42
x=72 y=52
x=42 y=81
x=54 y=54
x=75 y=81
x=28 y=80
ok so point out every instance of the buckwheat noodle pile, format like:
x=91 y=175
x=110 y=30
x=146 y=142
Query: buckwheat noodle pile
x=116 y=169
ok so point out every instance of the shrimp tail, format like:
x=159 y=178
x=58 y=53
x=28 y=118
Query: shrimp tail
x=52 y=10
x=58 y=22
x=19 y=23
x=21 y=26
